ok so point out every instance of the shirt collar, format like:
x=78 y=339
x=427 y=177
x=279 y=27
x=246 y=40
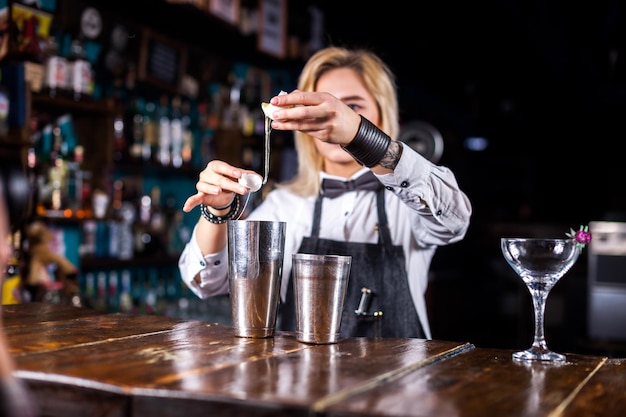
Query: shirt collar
x=324 y=175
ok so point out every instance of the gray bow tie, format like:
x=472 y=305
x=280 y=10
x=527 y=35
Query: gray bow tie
x=334 y=188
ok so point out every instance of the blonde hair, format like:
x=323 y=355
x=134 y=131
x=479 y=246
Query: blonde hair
x=378 y=79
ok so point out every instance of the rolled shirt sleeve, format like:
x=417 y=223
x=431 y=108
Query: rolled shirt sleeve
x=214 y=280
x=432 y=191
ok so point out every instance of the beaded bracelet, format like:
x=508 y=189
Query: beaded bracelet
x=369 y=145
x=215 y=219
x=227 y=205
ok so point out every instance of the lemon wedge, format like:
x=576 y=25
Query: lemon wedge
x=269 y=109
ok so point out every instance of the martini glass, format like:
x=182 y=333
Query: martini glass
x=540 y=263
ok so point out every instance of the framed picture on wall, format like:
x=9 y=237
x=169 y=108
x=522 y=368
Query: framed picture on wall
x=227 y=10
x=161 y=60
x=272 y=37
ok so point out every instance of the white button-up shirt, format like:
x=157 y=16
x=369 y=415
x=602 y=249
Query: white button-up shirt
x=425 y=209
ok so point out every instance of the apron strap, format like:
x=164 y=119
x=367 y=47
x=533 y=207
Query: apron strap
x=384 y=236
x=317 y=215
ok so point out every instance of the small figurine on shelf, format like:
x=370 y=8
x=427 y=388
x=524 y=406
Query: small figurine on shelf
x=50 y=276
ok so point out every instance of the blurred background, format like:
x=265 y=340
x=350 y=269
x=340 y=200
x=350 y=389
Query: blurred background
x=542 y=82
x=530 y=99
x=524 y=101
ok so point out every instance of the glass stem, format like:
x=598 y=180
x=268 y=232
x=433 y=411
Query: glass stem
x=268 y=130
x=539 y=296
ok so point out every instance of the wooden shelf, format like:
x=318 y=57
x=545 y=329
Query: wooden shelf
x=142 y=168
x=191 y=26
x=92 y=263
x=61 y=104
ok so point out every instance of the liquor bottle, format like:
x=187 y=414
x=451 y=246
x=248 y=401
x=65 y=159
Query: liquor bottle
x=58 y=172
x=157 y=227
x=69 y=158
x=81 y=78
x=115 y=224
x=90 y=290
x=67 y=135
x=143 y=241
x=32 y=165
x=188 y=137
x=150 y=133
x=56 y=70
x=126 y=301
x=176 y=136
x=134 y=129
x=44 y=144
x=75 y=178
x=120 y=143
x=113 y=295
x=100 y=302
x=178 y=234
x=127 y=219
x=165 y=133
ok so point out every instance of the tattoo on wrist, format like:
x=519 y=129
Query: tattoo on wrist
x=392 y=156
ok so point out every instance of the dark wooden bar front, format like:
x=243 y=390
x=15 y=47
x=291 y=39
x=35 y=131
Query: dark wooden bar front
x=79 y=362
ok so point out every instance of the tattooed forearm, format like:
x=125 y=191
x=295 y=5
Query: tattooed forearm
x=392 y=156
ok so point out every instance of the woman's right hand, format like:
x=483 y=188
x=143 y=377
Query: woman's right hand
x=318 y=114
x=217 y=184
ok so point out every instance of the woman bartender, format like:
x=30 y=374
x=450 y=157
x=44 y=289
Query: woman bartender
x=357 y=192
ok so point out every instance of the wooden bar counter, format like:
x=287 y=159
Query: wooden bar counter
x=80 y=362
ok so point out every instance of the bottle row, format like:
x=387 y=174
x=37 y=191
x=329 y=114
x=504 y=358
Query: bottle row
x=150 y=290
x=163 y=134
x=144 y=134
x=129 y=229
x=71 y=76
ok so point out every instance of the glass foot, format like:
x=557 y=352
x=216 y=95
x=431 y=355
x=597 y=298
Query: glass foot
x=538 y=355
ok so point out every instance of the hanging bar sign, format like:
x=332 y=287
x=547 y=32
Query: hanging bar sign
x=273 y=27
x=161 y=61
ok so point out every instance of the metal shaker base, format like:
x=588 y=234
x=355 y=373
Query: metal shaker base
x=254 y=333
x=317 y=339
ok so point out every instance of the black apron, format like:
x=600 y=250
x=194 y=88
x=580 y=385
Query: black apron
x=378 y=301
